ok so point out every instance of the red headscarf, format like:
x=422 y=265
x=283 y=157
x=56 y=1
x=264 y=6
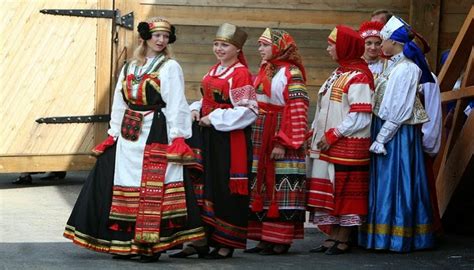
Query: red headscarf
x=349 y=48
x=285 y=53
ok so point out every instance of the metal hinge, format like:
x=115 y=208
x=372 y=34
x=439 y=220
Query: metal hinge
x=74 y=119
x=124 y=21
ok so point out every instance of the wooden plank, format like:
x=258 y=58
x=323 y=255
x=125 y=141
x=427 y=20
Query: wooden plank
x=25 y=163
x=463 y=46
x=424 y=18
x=456 y=165
x=466 y=92
x=257 y=17
x=397 y=6
x=103 y=86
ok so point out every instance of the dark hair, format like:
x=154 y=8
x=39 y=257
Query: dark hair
x=386 y=12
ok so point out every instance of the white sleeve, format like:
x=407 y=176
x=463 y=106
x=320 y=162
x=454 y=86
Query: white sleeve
x=118 y=108
x=196 y=105
x=432 y=130
x=178 y=115
x=399 y=97
x=244 y=112
x=232 y=119
x=354 y=122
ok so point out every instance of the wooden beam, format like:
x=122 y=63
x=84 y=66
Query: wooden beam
x=463 y=46
x=466 y=92
x=103 y=84
x=41 y=163
x=424 y=18
x=456 y=164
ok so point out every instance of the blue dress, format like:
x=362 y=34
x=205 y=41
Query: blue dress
x=400 y=215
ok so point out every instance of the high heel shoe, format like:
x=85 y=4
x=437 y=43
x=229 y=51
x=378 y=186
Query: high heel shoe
x=214 y=255
x=201 y=251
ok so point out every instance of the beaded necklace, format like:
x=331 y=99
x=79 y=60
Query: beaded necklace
x=136 y=71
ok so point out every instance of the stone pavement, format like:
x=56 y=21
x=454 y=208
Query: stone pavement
x=32 y=220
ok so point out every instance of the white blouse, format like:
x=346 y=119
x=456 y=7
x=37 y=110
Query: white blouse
x=178 y=117
x=432 y=130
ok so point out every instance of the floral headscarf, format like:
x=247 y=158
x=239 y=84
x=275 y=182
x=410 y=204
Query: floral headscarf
x=285 y=53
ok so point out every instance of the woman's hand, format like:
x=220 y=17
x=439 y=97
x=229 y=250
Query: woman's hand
x=205 y=122
x=278 y=152
x=195 y=115
x=323 y=144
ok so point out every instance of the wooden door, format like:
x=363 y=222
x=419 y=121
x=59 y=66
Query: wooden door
x=52 y=66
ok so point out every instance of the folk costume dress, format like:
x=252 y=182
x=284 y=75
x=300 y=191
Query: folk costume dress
x=278 y=187
x=338 y=177
x=137 y=200
x=228 y=99
x=400 y=213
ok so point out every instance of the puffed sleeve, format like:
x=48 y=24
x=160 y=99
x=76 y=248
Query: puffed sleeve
x=359 y=96
x=118 y=107
x=178 y=115
x=400 y=93
x=293 y=129
x=244 y=100
x=397 y=104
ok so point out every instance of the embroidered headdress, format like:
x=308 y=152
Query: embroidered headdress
x=370 y=29
x=232 y=34
x=146 y=28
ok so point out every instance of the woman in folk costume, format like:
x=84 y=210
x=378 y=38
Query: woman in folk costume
x=225 y=113
x=338 y=162
x=277 y=208
x=400 y=212
x=370 y=32
x=136 y=200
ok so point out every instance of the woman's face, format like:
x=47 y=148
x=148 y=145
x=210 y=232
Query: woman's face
x=387 y=47
x=225 y=52
x=265 y=50
x=331 y=49
x=158 y=41
x=372 y=48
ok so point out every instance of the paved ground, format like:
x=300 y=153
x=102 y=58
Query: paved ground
x=32 y=219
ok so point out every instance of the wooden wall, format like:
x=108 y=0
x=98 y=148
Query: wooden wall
x=453 y=14
x=51 y=66
x=308 y=21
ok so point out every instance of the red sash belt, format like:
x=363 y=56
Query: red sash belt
x=266 y=166
x=238 y=182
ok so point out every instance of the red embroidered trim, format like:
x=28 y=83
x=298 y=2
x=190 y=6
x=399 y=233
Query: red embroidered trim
x=348 y=151
x=361 y=107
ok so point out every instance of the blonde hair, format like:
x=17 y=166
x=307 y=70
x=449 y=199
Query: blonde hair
x=139 y=54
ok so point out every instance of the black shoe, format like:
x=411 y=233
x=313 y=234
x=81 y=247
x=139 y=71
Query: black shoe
x=201 y=251
x=54 y=176
x=334 y=250
x=214 y=255
x=254 y=250
x=149 y=259
x=124 y=257
x=322 y=248
x=271 y=250
x=23 y=180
